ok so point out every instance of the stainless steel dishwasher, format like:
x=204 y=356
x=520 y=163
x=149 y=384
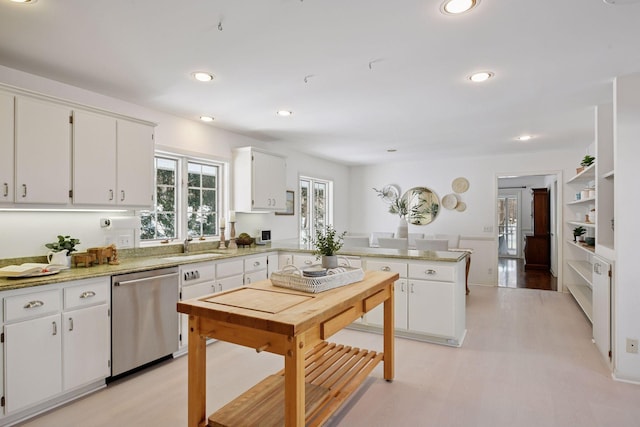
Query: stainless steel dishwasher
x=144 y=321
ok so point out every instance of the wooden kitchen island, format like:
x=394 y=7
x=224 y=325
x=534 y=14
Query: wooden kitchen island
x=317 y=377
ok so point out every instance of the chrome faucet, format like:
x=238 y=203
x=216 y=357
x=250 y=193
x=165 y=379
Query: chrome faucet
x=186 y=245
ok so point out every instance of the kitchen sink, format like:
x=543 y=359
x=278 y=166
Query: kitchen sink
x=187 y=257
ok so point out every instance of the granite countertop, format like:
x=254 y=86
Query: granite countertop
x=149 y=259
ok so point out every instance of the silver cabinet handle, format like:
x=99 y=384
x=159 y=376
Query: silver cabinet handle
x=307 y=262
x=386 y=268
x=24 y=190
x=257 y=263
x=248 y=279
x=220 y=285
x=430 y=272
x=110 y=194
x=402 y=287
x=55 y=328
x=145 y=279
x=121 y=195
x=412 y=288
x=87 y=294
x=6 y=189
x=34 y=304
x=70 y=323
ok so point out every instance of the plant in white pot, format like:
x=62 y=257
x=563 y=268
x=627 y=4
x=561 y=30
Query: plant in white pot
x=327 y=243
x=61 y=250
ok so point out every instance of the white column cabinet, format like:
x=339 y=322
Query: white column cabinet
x=42 y=151
x=602 y=277
x=94 y=158
x=135 y=167
x=6 y=148
x=33 y=356
x=260 y=180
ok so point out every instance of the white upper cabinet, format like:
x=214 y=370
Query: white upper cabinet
x=42 y=151
x=6 y=147
x=259 y=180
x=94 y=159
x=135 y=167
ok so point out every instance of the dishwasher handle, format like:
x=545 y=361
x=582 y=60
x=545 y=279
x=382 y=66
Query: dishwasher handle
x=145 y=279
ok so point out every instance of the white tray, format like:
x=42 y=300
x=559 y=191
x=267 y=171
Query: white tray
x=291 y=277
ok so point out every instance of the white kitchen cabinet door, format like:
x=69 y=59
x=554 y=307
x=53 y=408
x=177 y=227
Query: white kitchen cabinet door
x=86 y=338
x=43 y=152
x=601 y=297
x=189 y=292
x=33 y=361
x=6 y=148
x=94 y=159
x=135 y=166
x=376 y=316
x=431 y=307
x=272 y=263
x=260 y=180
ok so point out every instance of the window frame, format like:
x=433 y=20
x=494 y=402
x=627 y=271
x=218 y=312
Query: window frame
x=182 y=189
x=311 y=200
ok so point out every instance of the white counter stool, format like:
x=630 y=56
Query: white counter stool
x=393 y=243
x=356 y=242
x=432 y=244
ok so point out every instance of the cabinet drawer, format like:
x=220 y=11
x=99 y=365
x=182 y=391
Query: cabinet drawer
x=229 y=268
x=31 y=305
x=255 y=264
x=304 y=261
x=441 y=273
x=255 y=276
x=349 y=261
x=394 y=267
x=86 y=293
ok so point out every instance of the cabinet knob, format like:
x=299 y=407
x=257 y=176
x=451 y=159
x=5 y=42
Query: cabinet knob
x=430 y=272
x=257 y=263
x=386 y=268
x=87 y=294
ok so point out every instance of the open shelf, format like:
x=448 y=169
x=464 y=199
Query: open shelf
x=588 y=174
x=581 y=201
x=582 y=294
x=584 y=269
x=582 y=223
x=608 y=175
x=332 y=373
x=583 y=246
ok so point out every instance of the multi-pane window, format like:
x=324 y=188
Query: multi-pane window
x=202 y=199
x=315 y=206
x=187 y=199
x=160 y=223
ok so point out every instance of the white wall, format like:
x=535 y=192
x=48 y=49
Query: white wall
x=626 y=291
x=25 y=233
x=369 y=213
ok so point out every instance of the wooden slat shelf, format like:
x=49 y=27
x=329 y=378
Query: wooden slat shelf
x=332 y=373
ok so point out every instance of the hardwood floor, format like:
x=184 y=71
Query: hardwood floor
x=511 y=274
x=527 y=360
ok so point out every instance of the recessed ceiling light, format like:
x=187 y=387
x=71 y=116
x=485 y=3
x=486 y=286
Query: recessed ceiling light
x=206 y=118
x=456 y=7
x=202 y=76
x=524 y=137
x=24 y=1
x=481 y=76
x=284 y=113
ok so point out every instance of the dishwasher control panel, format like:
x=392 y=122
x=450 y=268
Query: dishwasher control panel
x=192 y=274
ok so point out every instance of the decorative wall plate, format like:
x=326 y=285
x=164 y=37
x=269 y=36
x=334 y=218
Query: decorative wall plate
x=390 y=193
x=460 y=185
x=450 y=201
x=462 y=206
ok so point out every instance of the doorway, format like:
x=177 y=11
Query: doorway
x=515 y=222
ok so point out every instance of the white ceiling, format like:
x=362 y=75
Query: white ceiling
x=384 y=74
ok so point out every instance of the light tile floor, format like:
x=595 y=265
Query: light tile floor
x=528 y=360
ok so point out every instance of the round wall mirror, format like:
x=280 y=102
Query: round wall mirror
x=422 y=205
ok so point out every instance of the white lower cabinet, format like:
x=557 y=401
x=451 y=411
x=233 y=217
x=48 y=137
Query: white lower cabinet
x=431 y=308
x=255 y=269
x=33 y=351
x=376 y=316
x=56 y=340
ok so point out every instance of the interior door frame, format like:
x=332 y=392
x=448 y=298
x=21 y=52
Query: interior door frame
x=559 y=215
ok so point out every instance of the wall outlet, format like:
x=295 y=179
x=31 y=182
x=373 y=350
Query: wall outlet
x=490 y=271
x=632 y=345
x=488 y=229
x=125 y=241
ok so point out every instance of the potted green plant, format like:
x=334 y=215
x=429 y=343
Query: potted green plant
x=326 y=243
x=587 y=161
x=577 y=232
x=61 y=249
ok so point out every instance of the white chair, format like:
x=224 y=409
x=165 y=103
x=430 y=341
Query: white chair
x=355 y=242
x=393 y=243
x=432 y=244
x=373 y=241
x=413 y=237
x=454 y=239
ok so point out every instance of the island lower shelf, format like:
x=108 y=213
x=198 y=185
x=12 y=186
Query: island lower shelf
x=332 y=373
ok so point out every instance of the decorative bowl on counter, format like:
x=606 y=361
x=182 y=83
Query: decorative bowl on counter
x=244 y=241
x=591 y=241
